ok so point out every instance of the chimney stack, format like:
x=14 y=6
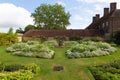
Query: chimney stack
x=94 y=19
x=112 y=7
x=106 y=11
x=97 y=17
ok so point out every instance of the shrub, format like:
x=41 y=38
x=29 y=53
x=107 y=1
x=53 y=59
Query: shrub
x=19 y=75
x=19 y=72
x=31 y=49
x=7 y=39
x=116 y=37
x=108 y=71
x=75 y=38
x=90 y=49
x=33 y=42
x=60 y=40
x=32 y=67
x=51 y=43
x=13 y=67
x=96 y=39
x=2 y=66
x=70 y=43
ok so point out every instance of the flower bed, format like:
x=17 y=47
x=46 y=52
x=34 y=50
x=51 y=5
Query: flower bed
x=31 y=49
x=90 y=49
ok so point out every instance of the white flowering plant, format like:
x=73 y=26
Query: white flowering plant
x=90 y=49
x=31 y=49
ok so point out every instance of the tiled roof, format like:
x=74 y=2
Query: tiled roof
x=67 y=33
x=95 y=25
x=116 y=13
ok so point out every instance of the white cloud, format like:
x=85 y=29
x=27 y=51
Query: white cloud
x=98 y=7
x=13 y=16
x=91 y=12
x=77 y=18
x=99 y=1
x=61 y=3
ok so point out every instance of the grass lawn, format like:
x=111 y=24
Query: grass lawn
x=74 y=69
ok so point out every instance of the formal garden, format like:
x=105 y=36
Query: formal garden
x=73 y=60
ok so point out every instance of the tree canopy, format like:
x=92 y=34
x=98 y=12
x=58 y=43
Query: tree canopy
x=49 y=17
x=29 y=27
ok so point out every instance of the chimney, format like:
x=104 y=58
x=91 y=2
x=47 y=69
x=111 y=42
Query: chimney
x=106 y=11
x=112 y=7
x=97 y=17
x=94 y=19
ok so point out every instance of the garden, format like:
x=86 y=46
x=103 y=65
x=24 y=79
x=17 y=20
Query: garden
x=75 y=60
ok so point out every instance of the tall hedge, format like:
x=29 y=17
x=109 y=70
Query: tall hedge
x=7 y=38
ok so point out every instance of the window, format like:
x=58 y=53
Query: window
x=103 y=25
x=107 y=24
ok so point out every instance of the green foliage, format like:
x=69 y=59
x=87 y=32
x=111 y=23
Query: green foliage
x=32 y=42
x=20 y=30
x=51 y=43
x=29 y=27
x=49 y=17
x=7 y=39
x=32 y=67
x=90 y=49
x=109 y=71
x=116 y=37
x=19 y=75
x=18 y=71
x=70 y=43
x=2 y=66
x=10 y=31
x=13 y=67
x=31 y=49
x=75 y=38
x=96 y=39
x=42 y=38
x=60 y=40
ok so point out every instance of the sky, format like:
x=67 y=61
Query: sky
x=16 y=13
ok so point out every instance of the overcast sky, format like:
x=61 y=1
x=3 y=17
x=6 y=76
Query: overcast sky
x=16 y=13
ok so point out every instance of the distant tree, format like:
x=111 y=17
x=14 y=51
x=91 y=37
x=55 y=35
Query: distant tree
x=10 y=30
x=19 y=30
x=29 y=27
x=49 y=17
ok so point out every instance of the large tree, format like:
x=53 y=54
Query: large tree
x=49 y=17
x=29 y=27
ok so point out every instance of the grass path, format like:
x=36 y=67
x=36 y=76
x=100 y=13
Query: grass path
x=74 y=69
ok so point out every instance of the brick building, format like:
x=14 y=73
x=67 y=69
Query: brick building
x=108 y=23
x=104 y=26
